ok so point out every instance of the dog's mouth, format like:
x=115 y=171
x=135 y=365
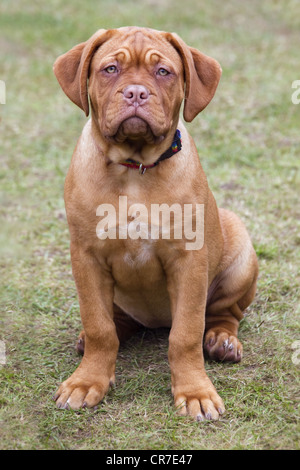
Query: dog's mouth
x=135 y=129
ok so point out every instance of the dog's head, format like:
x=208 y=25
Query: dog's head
x=136 y=79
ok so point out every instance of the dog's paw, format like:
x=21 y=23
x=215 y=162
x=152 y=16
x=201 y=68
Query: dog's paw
x=77 y=392
x=221 y=346
x=203 y=403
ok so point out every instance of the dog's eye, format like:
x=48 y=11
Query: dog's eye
x=111 y=69
x=162 y=72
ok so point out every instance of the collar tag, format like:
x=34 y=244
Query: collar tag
x=142 y=169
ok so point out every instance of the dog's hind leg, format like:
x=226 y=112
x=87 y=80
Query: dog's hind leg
x=125 y=326
x=231 y=291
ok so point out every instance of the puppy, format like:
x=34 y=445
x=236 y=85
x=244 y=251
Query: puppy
x=148 y=244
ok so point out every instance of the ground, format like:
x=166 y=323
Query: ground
x=248 y=141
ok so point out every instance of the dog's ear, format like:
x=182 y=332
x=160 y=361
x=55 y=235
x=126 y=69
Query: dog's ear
x=72 y=68
x=202 y=75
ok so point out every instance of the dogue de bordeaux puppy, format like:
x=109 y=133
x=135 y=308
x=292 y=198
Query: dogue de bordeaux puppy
x=134 y=159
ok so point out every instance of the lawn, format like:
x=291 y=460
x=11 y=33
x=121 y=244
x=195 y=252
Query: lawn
x=249 y=143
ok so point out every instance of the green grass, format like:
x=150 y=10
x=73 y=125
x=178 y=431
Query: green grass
x=248 y=141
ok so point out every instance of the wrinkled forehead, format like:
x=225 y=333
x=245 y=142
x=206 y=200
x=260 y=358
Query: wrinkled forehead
x=137 y=46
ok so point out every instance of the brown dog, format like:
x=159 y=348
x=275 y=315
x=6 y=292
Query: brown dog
x=130 y=270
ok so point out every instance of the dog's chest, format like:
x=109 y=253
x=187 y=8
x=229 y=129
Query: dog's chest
x=140 y=284
x=135 y=264
x=140 y=255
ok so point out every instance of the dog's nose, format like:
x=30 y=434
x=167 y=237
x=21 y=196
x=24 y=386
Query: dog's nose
x=136 y=95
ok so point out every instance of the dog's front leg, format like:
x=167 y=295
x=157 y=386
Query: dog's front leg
x=91 y=380
x=194 y=394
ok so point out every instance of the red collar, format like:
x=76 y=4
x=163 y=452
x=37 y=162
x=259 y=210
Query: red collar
x=175 y=147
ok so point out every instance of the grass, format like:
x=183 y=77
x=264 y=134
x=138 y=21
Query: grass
x=248 y=141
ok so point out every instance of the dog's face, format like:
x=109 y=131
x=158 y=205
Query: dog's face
x=137 y=79
x=136 y=86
